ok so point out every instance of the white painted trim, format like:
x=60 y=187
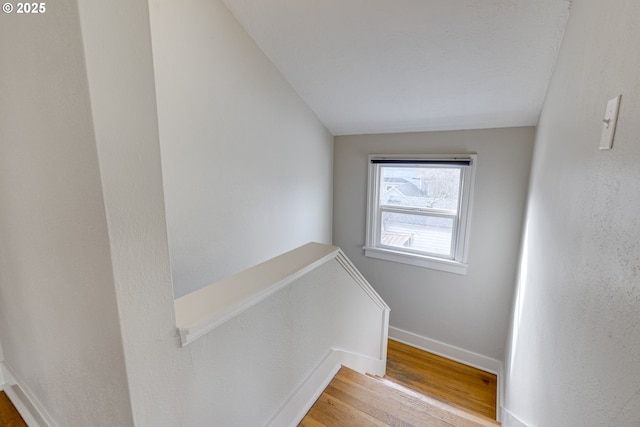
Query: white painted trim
x=305 y=396
x=297 y=406
x=424 y=261
x=29 y=407
x=355 y=274
x=458 y=354
x=510 y=420
x=346 y=263
x=374 y=249
x=202 y=311
x=500 y=394
x=207 y=308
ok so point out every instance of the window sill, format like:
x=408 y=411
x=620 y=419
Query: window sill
x=449 y=266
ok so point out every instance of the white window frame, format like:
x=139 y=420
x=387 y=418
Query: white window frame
x=373 y=248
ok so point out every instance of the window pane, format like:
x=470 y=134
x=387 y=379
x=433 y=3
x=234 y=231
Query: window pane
x=420 y=187
x=418 y=232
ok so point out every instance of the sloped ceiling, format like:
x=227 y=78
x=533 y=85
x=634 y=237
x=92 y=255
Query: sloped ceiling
x=375 y=66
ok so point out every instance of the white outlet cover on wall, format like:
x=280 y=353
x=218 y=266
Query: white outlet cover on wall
x=609 y=123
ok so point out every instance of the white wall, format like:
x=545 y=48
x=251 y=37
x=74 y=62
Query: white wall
x=247 y=166
x=169 y=386
x=470 y=311
x=574 y=357
x=58 y=315
x=240 y=373
x=2 y=380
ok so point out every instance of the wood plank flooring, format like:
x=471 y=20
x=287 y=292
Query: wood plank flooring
x=420 y=389
x=436 y=376
x=9 y=416
x=355 y=400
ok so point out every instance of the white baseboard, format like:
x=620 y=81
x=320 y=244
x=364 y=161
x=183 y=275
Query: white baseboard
x=510 y=420
x=296 y=407
x=31 y=410
x=458 y=354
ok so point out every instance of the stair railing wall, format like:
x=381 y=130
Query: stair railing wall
x=265 y=343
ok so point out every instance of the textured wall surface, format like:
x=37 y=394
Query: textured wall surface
x=126 y=132
x=246 y=164
x=58 y=313
x=574 y=355
x=207 y=382
x=470 y=311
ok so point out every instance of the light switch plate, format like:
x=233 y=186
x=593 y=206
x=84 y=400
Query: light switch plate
x=609 y=123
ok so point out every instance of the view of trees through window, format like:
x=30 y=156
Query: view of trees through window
x=419 y=206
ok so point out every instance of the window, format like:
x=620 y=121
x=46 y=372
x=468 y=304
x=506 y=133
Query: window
x=419 y=210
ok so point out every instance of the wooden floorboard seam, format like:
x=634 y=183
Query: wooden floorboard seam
x=470 y=388
x=353 y=399
x=420 y=389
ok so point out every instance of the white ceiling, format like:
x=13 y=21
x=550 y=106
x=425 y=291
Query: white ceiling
x=375 y=66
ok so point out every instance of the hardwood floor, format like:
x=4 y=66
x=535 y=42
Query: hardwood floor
x=9 y=417
x=436 y=376
x=420 y=389
x=355 y=400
